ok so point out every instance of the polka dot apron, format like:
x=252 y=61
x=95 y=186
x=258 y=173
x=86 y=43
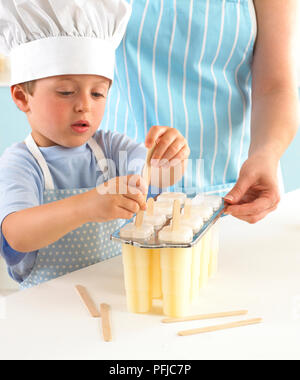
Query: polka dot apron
x=80 y=248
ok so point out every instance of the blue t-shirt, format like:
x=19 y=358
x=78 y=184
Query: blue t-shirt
x=22 y=182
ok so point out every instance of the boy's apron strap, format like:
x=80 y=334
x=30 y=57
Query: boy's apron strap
x=34 y=150
x=102 y=161
x=49 y=184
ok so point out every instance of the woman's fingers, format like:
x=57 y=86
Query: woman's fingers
x=254 y=218
x=258 y=206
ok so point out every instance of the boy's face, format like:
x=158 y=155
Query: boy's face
x=67 y=110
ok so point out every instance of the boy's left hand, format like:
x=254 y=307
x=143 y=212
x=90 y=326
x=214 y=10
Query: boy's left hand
x=171 y=146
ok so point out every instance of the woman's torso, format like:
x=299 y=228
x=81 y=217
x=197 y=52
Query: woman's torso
x=187 y=64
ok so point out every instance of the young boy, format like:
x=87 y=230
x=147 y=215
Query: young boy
x=64 y=191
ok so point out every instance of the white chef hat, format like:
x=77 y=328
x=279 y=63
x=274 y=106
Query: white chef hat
x=57 y=37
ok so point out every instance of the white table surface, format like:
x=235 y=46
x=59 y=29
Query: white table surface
x=259 y=270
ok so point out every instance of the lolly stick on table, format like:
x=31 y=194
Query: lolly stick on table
x=220 y=327
x=200 y=317
x=106 y=326
x=87 y=301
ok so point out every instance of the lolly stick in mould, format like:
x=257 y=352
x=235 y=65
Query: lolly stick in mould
x=157 y=220
x=139 y=219
x=176 y=216
x=150 y=206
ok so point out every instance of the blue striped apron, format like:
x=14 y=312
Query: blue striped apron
x=187 y=64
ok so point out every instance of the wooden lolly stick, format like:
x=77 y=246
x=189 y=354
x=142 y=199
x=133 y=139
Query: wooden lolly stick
x=149 y=155
x=176 y=215
x=147 y=168
x=150 y=206
x=139 y=219
x=87 y=301
x=106 y=327
x=220 y=327
x=206 y=316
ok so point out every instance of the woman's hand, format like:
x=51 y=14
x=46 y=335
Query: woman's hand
x=256 y=192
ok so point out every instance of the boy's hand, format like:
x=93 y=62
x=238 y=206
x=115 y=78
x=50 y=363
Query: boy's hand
x=118 y=198
x=171 y=146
